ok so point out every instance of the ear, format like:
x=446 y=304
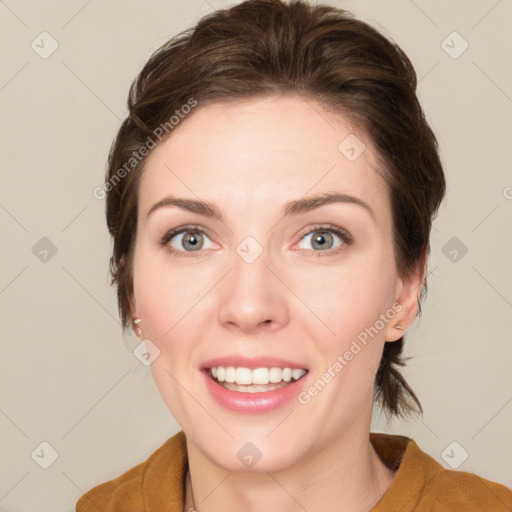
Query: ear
x=407 y=294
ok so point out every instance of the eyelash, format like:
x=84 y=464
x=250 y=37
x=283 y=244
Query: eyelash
x=344 y=235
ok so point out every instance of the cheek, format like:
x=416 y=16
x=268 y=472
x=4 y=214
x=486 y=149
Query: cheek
x=348 y=297
x=168 y=301
x=166 y=293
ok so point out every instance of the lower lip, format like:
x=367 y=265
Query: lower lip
x=252 y=402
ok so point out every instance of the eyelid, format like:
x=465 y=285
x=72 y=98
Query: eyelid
x=171 y=233
x=338 y=230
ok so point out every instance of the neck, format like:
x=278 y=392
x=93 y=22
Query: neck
x=346 y=474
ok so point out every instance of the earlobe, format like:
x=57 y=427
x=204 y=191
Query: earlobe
x=394 y=331
x=135 y=318
x=407 y=297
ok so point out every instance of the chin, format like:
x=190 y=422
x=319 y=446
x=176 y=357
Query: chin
x=252 y=457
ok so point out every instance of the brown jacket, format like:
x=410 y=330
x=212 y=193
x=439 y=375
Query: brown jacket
x=420 y=485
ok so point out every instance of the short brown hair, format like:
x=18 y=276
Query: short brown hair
x=266 y=47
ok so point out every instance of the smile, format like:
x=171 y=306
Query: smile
x=256 y=390
x=257 y=380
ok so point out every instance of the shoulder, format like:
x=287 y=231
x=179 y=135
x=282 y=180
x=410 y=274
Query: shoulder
x=461 y=490
x=140 y=485
x=124 y=491
x=448 y=489
x=422 y=484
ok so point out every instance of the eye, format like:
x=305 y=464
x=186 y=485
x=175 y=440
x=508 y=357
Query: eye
x=193 y=240
x=190 y=239
x=322 y=238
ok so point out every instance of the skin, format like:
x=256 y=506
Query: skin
x=249 y=158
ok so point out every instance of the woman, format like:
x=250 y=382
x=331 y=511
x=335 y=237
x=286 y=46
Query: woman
x=270 y=198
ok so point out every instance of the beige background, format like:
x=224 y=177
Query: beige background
x=67 y=376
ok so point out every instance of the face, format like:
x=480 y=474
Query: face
x=309 y=287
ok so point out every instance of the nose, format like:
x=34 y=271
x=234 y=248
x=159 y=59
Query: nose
x=252 y=297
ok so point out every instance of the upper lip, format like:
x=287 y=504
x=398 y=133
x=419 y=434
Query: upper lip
x=239 y=361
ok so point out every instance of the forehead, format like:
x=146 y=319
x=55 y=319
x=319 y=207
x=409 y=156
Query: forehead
x=262 y=150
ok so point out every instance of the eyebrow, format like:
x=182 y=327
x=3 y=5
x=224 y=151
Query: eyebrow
x=291 y=208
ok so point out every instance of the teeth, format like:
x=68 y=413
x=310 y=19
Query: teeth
x=230 y=374
x=243 y=376
x=261 y=376
x=297 y=374
x=275 y=375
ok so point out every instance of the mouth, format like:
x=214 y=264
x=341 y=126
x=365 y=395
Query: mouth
x=254 y=380
x=253 y=385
